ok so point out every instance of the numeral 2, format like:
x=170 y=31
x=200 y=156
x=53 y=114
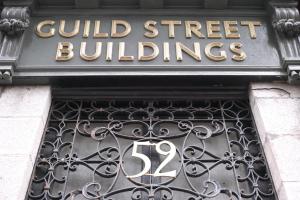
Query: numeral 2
x=147 y=162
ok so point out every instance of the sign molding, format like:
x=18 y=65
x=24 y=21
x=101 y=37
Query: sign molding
x=10 y=64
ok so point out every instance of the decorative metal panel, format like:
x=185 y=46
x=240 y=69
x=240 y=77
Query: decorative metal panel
x=88 y=152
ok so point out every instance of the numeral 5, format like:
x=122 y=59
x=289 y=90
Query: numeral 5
x=147 y=162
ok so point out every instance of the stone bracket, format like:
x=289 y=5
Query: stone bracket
x=14 y=20
x=286 y=24
x=6 y=74
x=286 y=19
x=13 y=23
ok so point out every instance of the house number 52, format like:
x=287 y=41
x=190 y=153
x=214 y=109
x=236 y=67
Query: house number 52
x=147 y=162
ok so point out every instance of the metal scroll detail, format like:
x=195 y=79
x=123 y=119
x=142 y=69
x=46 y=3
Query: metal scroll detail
x=86 y=152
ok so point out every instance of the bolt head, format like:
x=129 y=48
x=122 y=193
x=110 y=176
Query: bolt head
x=294 y=75
x=6 y=75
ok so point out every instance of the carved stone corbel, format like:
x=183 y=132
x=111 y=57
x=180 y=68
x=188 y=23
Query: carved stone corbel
x=13 y=22
x=286 y=22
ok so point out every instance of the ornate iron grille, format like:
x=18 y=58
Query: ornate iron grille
x=87 y=152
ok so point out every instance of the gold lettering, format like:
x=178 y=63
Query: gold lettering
x=251 y=26
x=194 y=54
x=69 y=34
x=109 y=50
x=236 y=48
x=171 y=24
x=97 y=30
x=115 y=33
x=213 y=27
x=43 y=34
x=141 y=51
x=231 y=30
x=152 y=32
x=64 y=51
x=86 y=29
x=193 y=27
x=213 y=57
x=166 y=52
x=90 y=57
x=122 y=56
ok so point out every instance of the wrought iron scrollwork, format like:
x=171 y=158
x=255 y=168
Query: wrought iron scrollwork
x=86 y=152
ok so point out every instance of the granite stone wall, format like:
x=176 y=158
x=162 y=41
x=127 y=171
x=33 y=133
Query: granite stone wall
x=276 y=110
x=23 y=114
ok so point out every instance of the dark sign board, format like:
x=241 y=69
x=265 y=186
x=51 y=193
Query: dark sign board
x=73 y=44
x=154 y=44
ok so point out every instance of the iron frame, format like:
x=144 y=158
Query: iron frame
x=174 y=94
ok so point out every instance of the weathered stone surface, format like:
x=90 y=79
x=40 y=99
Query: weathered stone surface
x=259 y=122
x=24 y=111
x=277 y=116
x=272 y=163
x=283 y=158
x=286 y=151
x=28 y=101
x=276 y=110
x=289 y=191
x=274 y=90
x=21 y=136
x=15 y=173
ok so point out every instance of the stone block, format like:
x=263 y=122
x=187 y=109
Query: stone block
x=277 y=116
x=276 y=111
x=258 y=122
x=23 y=115
x=15 y=173
x=289 y=191
x=272 y=163
x=27 y=101
x=286 y=152
x=21 y=136
x=274 y=90
x=283 y=158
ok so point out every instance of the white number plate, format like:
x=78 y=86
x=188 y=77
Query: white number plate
x=147 y=162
